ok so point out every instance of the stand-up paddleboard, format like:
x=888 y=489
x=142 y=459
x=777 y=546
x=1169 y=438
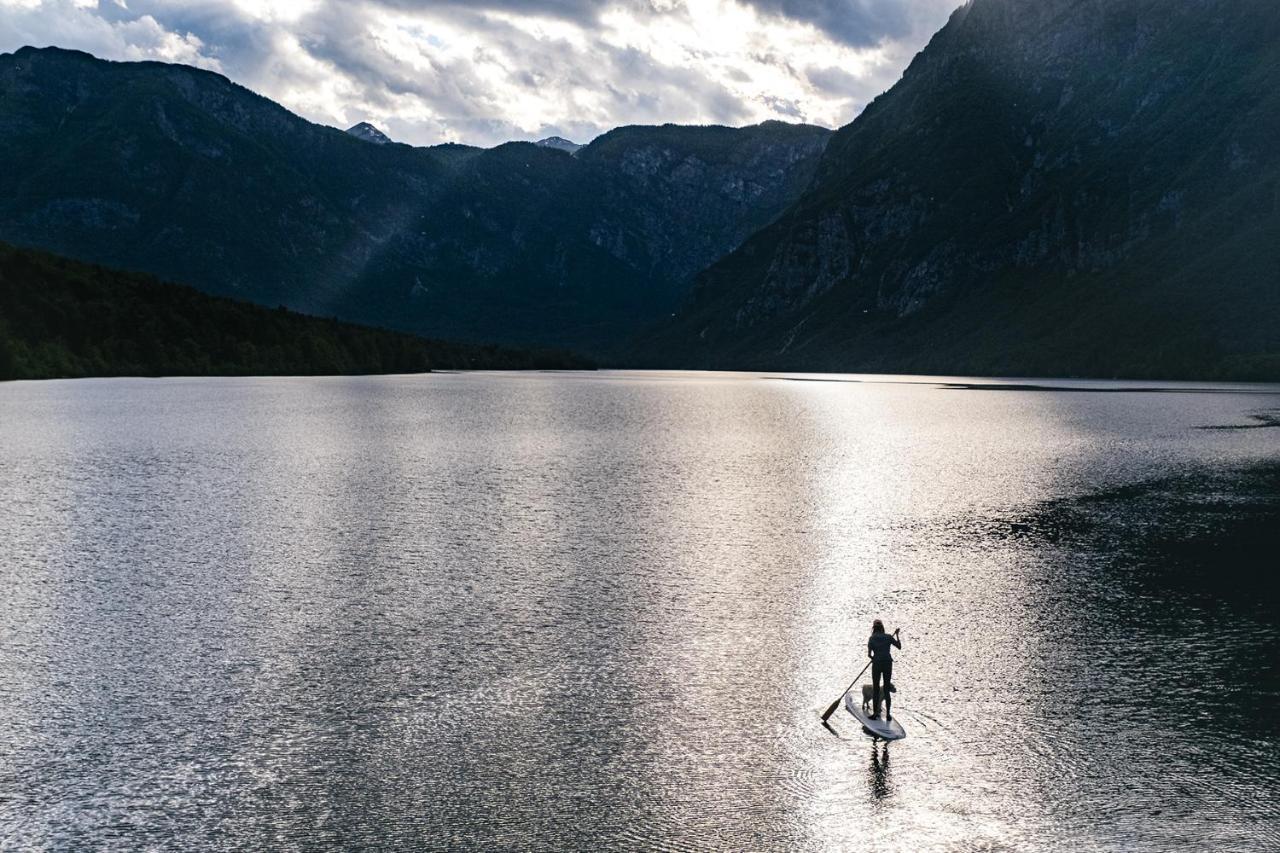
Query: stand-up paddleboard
x=881 y=728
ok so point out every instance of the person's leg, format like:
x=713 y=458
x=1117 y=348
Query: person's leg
x=876 y=672
x=888 y=694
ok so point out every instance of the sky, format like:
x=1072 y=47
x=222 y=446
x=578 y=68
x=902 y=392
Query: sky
x=486 y=71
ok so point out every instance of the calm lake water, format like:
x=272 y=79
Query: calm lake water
x=606 y=610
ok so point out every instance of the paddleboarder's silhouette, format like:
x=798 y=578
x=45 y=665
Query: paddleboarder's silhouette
x=881 y=668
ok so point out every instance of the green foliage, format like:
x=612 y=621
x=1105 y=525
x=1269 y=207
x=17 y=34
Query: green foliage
x=62 y=318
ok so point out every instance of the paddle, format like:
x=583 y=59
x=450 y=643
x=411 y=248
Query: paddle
x=836 y=704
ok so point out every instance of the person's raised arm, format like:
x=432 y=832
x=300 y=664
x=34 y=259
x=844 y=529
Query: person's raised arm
x=897 y=642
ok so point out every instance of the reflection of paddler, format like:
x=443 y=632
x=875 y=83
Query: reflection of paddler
x=879 y=770
x=881 y=667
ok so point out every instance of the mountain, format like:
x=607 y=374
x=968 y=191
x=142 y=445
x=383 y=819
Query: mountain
x=368 y=133
x=63 y=318
x=180 y=173
x=559 y=143
x=529 y=246
x=1053 y=187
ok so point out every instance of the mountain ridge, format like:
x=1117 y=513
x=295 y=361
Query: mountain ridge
x=181 y=173
x=1059 y=187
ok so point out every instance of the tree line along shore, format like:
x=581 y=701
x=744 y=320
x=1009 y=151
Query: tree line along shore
x=61 y=318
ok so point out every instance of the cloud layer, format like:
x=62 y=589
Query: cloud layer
x=485 y=71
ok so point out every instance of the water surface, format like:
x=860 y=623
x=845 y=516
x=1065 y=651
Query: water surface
x=605 y=610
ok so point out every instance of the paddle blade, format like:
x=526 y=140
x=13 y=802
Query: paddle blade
x=826 y=715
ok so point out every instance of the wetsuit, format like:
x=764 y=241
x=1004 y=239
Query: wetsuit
x=881 y=667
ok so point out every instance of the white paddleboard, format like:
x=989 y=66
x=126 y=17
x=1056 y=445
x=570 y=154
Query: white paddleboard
x=881 y=728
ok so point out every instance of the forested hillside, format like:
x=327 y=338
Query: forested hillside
x=62 y=318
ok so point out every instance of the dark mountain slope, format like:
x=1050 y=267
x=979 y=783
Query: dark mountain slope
x=548 y=246
x=183 y=174
x=1055 y=186
x=674 y=196
x=505 y=252
x=63 y=318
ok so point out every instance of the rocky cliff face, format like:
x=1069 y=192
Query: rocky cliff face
x=179 y=172
x=1054 y=186
x=585 y=250
x=674 y=197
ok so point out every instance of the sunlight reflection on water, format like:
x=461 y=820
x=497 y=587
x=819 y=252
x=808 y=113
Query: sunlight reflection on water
x=603 y=610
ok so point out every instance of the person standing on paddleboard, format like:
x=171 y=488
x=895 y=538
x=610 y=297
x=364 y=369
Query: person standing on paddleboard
x=881 y=667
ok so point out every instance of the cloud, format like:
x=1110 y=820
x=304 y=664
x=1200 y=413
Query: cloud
x=863 y=23
x=832 y=80
x=484 y=71
x=73 y=23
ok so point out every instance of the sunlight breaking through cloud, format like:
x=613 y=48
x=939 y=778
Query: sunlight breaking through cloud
x=488 y=71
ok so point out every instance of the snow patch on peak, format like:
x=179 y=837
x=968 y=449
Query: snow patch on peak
x=559 y=143
x=369 y=133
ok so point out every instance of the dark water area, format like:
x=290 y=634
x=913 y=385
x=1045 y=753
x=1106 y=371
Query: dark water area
x=550 y=611
x=1214 y=530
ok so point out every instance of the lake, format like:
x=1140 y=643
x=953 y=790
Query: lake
x=605 y=610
